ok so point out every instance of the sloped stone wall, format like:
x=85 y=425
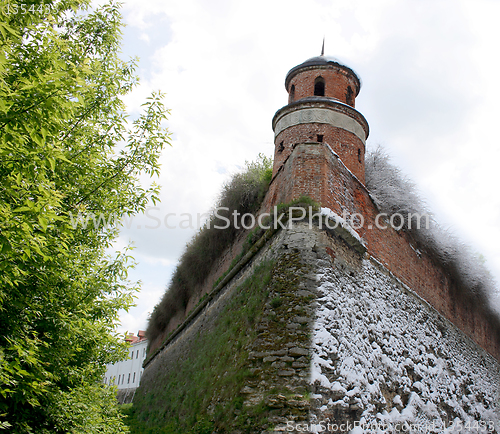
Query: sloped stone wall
x=331 y=342
x=385 y=359
x=242 y=364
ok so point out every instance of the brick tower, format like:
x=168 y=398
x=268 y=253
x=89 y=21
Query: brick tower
x=318 y=123
x=320 y=110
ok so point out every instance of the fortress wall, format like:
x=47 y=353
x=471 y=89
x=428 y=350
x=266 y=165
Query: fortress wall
x=322 y=329
x=243 y=362
x=330 y=337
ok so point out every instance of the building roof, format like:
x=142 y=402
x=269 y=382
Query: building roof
x=318 y=62
x=131 y=339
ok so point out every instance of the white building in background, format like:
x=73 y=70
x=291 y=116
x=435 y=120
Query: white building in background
x=126 y=374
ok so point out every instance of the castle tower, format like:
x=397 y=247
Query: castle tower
x=321 y=111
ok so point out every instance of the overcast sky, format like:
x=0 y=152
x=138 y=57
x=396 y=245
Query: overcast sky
x=430 y=91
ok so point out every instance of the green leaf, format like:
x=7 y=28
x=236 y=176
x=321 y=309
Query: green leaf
x=52 y=162
x=43 y=223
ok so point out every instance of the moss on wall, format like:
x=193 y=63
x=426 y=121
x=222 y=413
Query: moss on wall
x=200 y=390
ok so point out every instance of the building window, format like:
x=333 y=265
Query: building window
x=349 y=96
x=137 y=354
x=359 y=155
x=320 y=138
x=319 y=87
x=292 y=93
x=128 y=380
x=133 y=380
x=132 y=355
x=281 y=147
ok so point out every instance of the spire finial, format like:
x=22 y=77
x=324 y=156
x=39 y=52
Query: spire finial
x=323 y=47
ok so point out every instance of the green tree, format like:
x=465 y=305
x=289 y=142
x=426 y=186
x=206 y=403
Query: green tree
x=66 y=147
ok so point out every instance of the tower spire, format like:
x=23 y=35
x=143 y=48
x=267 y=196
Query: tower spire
x=323 y=47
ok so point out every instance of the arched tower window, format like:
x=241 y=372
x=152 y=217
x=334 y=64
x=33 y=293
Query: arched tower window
x=349 y=98
x=292 y=93
x=319 y=87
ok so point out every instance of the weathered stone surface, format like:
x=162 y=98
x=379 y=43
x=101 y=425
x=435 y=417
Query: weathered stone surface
x=257 y=354
x=373 y=346
x=296 y=351
x=277 y=419
x=298 y=403
x=247 y=390
x=370 y=330
x=276 y=401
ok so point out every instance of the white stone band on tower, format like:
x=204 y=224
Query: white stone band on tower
x=324 y=115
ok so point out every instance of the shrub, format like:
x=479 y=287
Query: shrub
x=395 y=193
